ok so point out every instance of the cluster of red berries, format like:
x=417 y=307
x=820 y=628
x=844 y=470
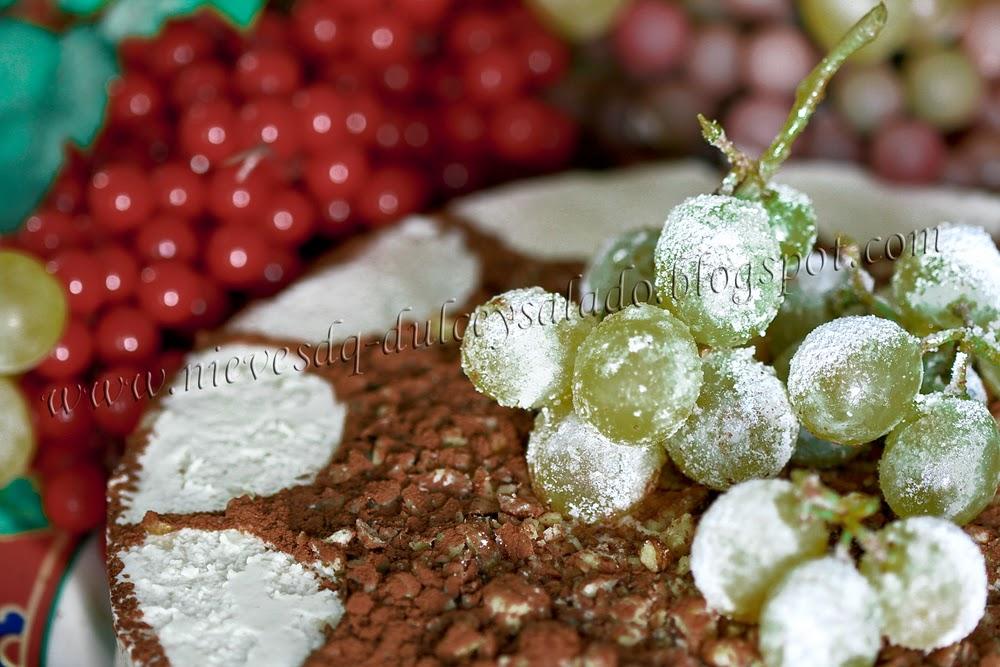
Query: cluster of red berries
x=224 y=154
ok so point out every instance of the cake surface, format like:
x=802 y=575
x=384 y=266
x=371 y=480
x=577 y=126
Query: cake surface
x=374 y=509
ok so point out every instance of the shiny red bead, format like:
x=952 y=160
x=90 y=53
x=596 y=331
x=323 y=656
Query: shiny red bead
x=336 y=174
x=121 y=394
x=211 y=308
x=208 y=129
x=337 y=219
x=267 y=72
x=322 y=118
x=171 y=293
x=238 y=194
x=120 y=197
x=126 y=335
x=475 y=32
x=270 y=123
x=74 y=498
x=493 y=77
x=289 y=219
x=531 y=133
x=134 y=98
x=236 y=256
x=71 y=356
x=167 y=237
x=54 y=456
x=320 y=29
x=391 y=193
x=544 y=57
x=46 y=232
x=63 y=413
x=82 y=277
x=464 y=129
x=382 y=39
x=178 y=190
x=119 y=273
x=281 y=268
x=364 y=113
x=201 y=82
x=179 y=45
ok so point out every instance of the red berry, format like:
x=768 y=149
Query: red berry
x=81 y=276
x=347 y=76
x=271 y=30
x=289 y=219
x=179 y=44
x=66 y=194
x=63 y=413
x=460 y=176
x=336 y=174
x=337 y=219
x=119 y=271
x=200 y=82
x=443 y=83
x=267 y=72
x=46 y=232
x=423 y=13
x=126 y=335
x=120 y=197
x=651 y=37
x=530 y=132
x=133 y=98
x=364 y=113
x=237 y=194
x=271 y=123
x=170 y=292
x=401 y=80
x=178 y=190
x=211 y=308
x=322 y=117
x=208 y=129
x=382 y=39
x=475 y=32
x=54 y=456
x=167 y=237
x=391 y=193
x=281 y=267
x=320 y=29
x=236 y=256
x=493 y=77
x=389 y=135
x=72 y=354
x=74 y=498
x=120 y=395
x=544 y=58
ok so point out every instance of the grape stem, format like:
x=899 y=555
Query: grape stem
x=848 y=512
x=863 y=290
x=959 y=375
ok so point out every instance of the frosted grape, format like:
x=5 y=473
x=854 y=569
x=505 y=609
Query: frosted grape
x=718 y=268
x=792 y=218
x=931 y=581
x=852 y=379
x=742 y=426
x=960 y=265
x=581 y=473
x=637 y=375
x=748 y=539
x=943 y=461
x=519 y=346
x=622 y=272
x=32 y=312
x=823 y=613
x=17 y=441
x=813 y=452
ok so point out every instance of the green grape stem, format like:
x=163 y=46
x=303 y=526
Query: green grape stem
x=972 y=341
x=741 y=165
x=848 y=512
x=959 y=375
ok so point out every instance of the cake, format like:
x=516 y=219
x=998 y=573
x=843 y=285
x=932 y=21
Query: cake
x=332 y=490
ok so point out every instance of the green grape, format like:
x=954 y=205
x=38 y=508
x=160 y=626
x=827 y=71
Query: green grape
x=622 y=272
x=813 y=452
x=823 y=613
x=519 y=347
x=944 y=88
x=582 y=474
x=742 y=426
x=793 y=220
x=930 y=578
x=578 y=20
x=17 y=441
x=828 y=20
x=718 y=268
x=960 y=267
x=637 y=375
x=944 y=460
x=814 y=297
x=938 y=367
x=32 y=312
x=751 y=536
x=852 y=379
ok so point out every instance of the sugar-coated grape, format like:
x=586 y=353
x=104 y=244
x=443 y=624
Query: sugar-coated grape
x=852 y=379
x=742 y=426
x=956 y=265
x=33 y=312
x=519 y=347
x=621 y=273
x=823 y=613
x=868 y=95
x=813 y=452
x=637 y=375
x=718 y=268
x=828 y=20
x=583 y=474
x=751 y=536
x=931 y=581
x=793 y=220
x=944 y=88
x=17 y=442
x=944 y=460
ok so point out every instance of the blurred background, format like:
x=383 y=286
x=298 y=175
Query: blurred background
x=164 y=161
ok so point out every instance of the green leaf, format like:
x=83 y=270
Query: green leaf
x=20 y=508
x=143 y=18
x=86 y=66
x=240 y=12
x=32 y=155
x=82 y=7
x=29 y=56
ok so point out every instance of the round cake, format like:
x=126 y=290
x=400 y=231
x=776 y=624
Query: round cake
x=322 y=485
